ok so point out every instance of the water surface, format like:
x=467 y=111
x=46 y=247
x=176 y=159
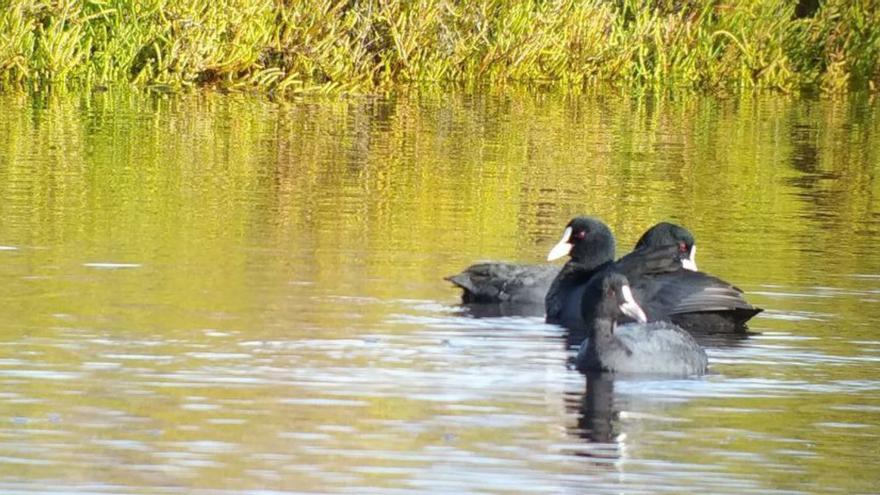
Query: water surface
x=217 y=294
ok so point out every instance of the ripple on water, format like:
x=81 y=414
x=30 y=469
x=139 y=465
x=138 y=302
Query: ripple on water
x=111 y=266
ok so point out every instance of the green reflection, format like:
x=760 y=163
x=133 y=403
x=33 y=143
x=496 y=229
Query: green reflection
x=258 y=225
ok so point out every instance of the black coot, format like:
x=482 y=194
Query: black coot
x=667 y=234
x=656 y=348
x=496 y=282
x=499 y=282
x=693 y=300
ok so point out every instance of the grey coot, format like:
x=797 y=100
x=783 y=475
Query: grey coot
x=497 y=282
x=656 y=348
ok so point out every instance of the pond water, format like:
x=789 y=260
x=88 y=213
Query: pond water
x=221 y=294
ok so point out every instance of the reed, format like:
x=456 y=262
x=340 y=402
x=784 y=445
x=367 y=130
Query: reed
x=286 y=46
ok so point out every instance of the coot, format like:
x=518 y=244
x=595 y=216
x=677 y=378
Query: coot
x=657 y=348
x=496 y=282
x=665 y=234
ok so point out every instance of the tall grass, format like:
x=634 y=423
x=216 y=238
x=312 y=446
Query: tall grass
x=371 y=46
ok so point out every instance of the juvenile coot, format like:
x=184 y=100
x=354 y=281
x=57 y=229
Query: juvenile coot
x=658 y=348
x=694 y=300
x=499 y=282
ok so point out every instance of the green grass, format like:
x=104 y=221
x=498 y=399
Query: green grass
x=292 y=46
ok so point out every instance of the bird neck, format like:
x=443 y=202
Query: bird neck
x=602 y=334
x=591 y=257
x=581 y=270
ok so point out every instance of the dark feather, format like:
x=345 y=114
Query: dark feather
x=494 y=282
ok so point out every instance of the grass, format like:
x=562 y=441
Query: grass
x=291 y=46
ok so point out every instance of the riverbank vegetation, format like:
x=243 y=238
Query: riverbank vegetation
x=376 y=46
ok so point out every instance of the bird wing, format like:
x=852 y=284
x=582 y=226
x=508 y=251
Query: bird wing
x=686 y=291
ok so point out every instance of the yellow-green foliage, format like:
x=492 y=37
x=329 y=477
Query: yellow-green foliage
x=365 y=46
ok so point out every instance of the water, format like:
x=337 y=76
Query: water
x=222 y=294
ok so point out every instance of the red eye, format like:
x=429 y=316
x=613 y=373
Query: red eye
x=580 y=235
x=682 y=247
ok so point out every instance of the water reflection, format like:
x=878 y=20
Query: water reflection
x=496 y=310
x=215 y=294
x=597 y=417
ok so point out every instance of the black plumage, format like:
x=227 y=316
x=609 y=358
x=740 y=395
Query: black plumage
x=494 y=282
x=666 y=291
x=516 y=283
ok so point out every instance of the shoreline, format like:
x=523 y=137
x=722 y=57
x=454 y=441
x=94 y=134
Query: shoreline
x=380 y=47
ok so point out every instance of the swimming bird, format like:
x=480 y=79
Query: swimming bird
x=694 y=300
x=641 y=347
x=665 y=234
x=499 y=282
